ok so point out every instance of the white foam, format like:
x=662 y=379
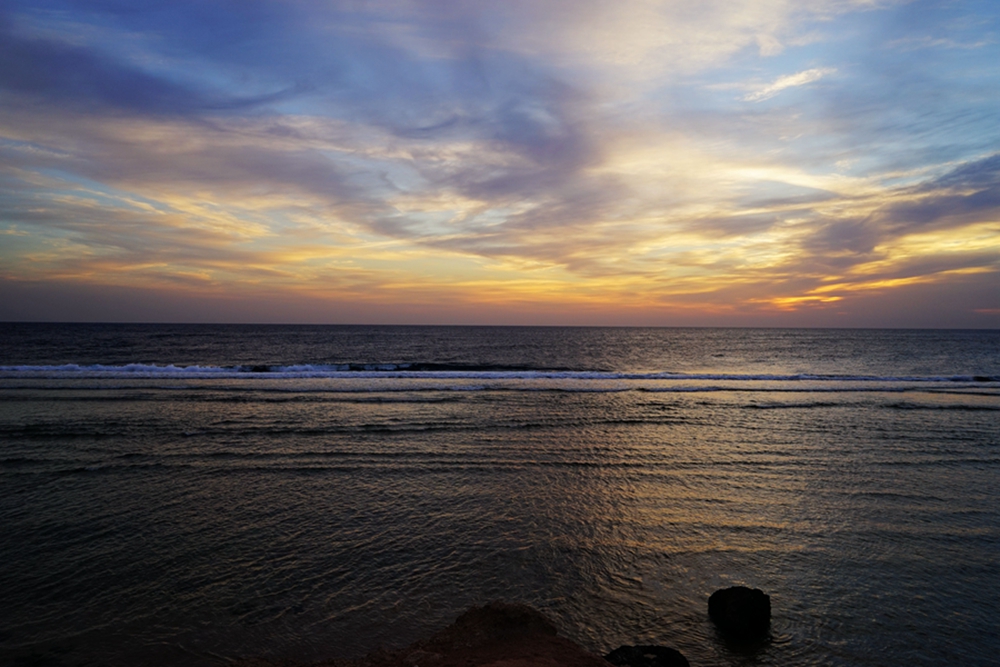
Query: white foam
x=399 y=371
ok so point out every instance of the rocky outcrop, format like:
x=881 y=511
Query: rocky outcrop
x=646 y=656
x=740 y=613
x=502 y=634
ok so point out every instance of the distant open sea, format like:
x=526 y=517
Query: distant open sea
x=189 y=494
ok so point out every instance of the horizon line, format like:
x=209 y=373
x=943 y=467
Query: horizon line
x=481 y=326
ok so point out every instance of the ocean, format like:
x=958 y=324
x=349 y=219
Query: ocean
x=194 y=494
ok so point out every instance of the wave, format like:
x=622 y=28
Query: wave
x=437 y=371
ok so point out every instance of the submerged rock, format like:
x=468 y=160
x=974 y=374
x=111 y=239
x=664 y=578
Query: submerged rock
x=491 y=623
x=646 y=656
x=512 y=634
x=741 y=613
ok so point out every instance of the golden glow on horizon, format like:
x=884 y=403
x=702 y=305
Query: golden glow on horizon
x=640 y=273
x=890 y=283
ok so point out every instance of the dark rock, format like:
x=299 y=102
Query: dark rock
x=498 y=634
x=646 y=656
x=741 y=613
x=495 y=621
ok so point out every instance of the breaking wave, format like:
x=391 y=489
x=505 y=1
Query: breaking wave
x=431 y=371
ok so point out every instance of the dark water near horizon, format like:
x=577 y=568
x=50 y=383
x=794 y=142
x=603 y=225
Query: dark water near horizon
x=191 y=494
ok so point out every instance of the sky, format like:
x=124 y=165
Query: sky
x=807 y=163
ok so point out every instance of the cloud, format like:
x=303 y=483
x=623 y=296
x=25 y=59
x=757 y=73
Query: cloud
x=927 y=42
x=789 y=81
x=969 y=193
x=554 y=152
x=50 y=72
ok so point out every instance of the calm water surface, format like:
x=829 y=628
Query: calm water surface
x=192 y=494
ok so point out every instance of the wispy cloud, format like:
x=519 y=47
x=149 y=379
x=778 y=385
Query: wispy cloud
x=928 y=42
x=802 y=78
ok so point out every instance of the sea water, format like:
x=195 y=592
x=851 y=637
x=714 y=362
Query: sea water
x=188 y=494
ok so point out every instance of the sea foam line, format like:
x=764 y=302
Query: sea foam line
x=419 y=371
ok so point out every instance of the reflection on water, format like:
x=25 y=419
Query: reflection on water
x=275 y=537
x=169 y=521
